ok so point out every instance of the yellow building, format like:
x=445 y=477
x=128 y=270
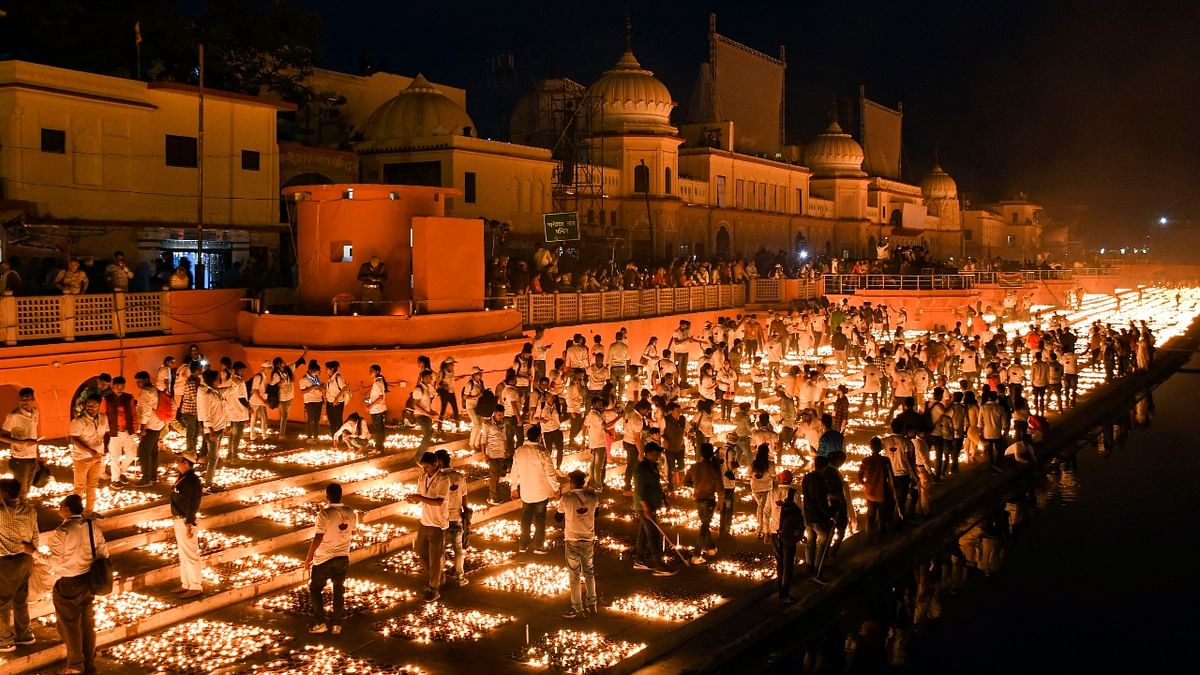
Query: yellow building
x=611 y=152
x=103 y=163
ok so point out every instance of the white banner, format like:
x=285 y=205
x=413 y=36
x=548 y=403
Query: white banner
x=881 y=139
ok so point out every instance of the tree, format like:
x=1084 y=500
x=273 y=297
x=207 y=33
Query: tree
x=251 y=46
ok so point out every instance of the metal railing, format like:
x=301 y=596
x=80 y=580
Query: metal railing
x=66 y=317
x=782 y=291
x=563 y=309
x=837 y=284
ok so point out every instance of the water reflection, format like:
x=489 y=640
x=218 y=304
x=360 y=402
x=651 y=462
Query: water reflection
x=877 y=636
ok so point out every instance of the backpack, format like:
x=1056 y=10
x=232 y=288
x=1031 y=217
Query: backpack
x=791 y=517
x=272 y=396
x=486 y=405
x=165 y=410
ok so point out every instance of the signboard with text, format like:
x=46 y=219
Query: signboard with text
x=561 y=226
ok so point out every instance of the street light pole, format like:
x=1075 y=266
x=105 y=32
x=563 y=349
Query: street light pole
x=199 y=267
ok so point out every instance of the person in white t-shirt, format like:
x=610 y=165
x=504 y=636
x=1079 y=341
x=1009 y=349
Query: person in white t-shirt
x=20 y=432
x=329 y=557
x=377 y=406
x=433 y=491
x=577 y=512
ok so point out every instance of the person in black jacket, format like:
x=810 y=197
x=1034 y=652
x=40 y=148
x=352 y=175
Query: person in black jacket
x=818 y=514
x=648 y=499
x=185 y=504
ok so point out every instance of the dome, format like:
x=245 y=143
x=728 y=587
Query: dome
x=938 y=184
x=834 y=153
x=416 y=112
x=628 y=96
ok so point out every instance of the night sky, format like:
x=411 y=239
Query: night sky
x=1073 y=102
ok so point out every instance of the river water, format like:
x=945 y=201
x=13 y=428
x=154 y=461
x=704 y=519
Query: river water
x=1093 y=570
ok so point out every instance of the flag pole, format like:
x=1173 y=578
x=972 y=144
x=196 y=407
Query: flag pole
x=198 y=269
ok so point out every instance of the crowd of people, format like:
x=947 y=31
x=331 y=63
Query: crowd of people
x=547 y=271
x=52 y=275
x=975 y=393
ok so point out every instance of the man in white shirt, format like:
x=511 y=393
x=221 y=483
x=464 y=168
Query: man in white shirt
x=680 y=344
x=329 y=557
x=87 y=450
x=337 y=393
x=534 y=480
x=457 y=507
x=595 y=432
x=20 y=432
x=577 y=511
x=618 y=362
x=211 y=415
x=71 y=556
x=18 y=543
x=152 y=426
x=432 y=494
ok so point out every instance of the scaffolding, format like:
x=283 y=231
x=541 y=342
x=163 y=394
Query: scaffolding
x=576 y=120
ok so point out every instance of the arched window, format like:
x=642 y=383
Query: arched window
x=722 y=242
x=641 y=178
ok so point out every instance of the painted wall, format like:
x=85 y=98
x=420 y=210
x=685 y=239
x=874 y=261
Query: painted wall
x=373 y=220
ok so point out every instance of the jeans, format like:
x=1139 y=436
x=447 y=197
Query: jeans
x=379 y=429
x=599 y=467
x=553 y=440
x=191 y=426
x=312 y=419
x=76 y=621
x=534 y=514
x=616 y=375
x=284 y=411
x=704 y=510
x=333 y=570
x=762 y=510
x=726 y=512
x=86 y=479
x=495 y=471
x=333 y=412
x=576 y=427
x=580 y=557
x=879 y=514
x=631 y=462
x=148 y=454
x=785 y=563
x=992 y=448
x=455 y=533
x=817 y=535
x=258 y=420
x=902 y=487
x=431 y=549
x=513 y=435
x=235 y=438
x=649 y=546
x=14 y=598
x=426 y=425
x=213 y=440
x=681 y=361
x=22 y=471
x=448 y=399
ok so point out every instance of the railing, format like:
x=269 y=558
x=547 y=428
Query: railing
x=782 y=291
x=1096 y=271
x=561 y=309
x=66 y=317
x=836 y=284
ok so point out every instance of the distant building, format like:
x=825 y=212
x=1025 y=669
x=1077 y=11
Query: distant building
x=90 y=164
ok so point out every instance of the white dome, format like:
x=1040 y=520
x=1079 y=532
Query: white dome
x=938 y=184
x=416 y=112
x=629 y=96
x=834 y=153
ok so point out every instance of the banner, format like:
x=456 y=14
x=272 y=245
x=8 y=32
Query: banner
x=913 y=217
x=881 y=140
x=749 y=91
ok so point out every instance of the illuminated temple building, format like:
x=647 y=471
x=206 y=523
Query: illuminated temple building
x=109 y=163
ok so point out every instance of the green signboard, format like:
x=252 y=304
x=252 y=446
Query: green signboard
x=561 y=226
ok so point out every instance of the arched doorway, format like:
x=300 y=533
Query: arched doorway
x=871 y=245
x=722 y=242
